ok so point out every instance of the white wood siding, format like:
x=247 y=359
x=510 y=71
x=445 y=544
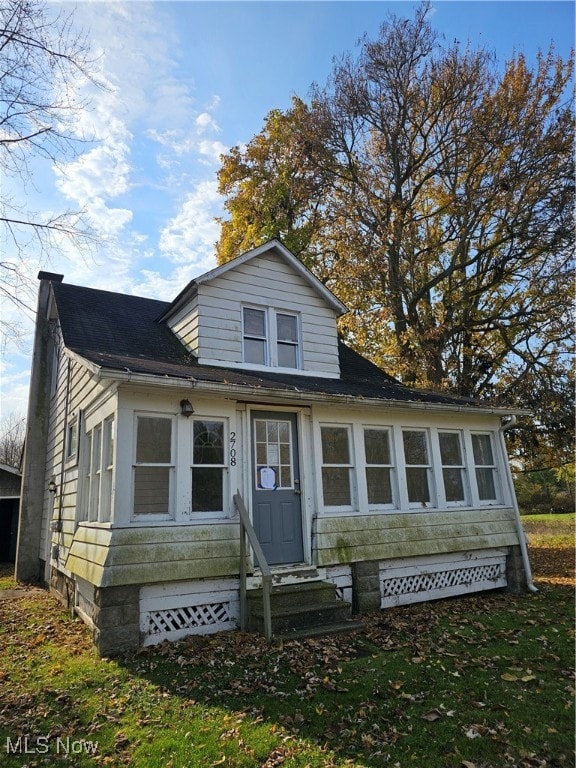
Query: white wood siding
x=111 y=557
x=354 y=538
x=185 y=325
x=211 y=325
x=60 y=509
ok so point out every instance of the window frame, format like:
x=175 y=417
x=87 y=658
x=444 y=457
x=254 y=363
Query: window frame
x=350 y=466
x=97 y=473
x=271 y=340
x=392 y=467
x=225 y=475
x=493 y=467
x=71 y=455
x=432 y=502
x=463 y=467
x=171 y=466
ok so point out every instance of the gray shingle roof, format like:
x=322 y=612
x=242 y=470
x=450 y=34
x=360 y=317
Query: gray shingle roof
x=121 y=332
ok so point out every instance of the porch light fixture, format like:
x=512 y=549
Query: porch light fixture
x=186 y=408
x=52 y=487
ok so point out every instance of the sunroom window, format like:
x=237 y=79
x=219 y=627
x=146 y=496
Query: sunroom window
x=153 y=465
x=417 y=461
x=336 y=466
x=485 y=466
x=208 y=468
x=98 y=473
x=453 y=469
x=378 y=466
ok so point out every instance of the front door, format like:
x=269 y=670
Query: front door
x=276 y=486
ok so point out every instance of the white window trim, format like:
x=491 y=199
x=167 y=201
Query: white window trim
x=352 y=470
x=363 y=466
x=271 y=340
x=223 y=514
x=433 y=502
x=151 y=516
x=494 y=467
x=73 y=432
x=439 y=466
x=107 y=470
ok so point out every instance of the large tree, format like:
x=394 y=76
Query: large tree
x=12 y=434
x=42 y=63
x=444 y=208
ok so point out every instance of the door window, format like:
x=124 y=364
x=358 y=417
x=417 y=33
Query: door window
x=273 y=446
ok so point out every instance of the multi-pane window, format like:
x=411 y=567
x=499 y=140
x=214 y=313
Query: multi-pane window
x=417 y=462
x=453 y=469
x=153 y=465
x=379 y=465
x=273 y=445
x=208 y=466
x=95 y=472
x=336 y=466
x=485 y=466
x=270 y=338
x=107 y=470
x=98 y=462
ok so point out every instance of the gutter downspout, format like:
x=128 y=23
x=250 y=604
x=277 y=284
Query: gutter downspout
x=507 y=422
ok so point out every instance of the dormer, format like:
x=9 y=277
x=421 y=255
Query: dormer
x=263 y=311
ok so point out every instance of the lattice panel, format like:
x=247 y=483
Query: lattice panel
x=417 y=584
x=424 y=582
x=189 y=617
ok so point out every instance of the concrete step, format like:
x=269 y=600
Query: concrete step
x=333 y=629
x=287 y=596
x=301 y=610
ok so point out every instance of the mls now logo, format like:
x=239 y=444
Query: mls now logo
x=41 y=745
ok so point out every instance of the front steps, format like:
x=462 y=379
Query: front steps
x=307 y=609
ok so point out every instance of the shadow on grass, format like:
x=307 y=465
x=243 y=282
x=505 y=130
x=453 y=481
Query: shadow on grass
x=428 y=682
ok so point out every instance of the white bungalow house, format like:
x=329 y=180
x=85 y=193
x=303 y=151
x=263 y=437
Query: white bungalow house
x=151 y=424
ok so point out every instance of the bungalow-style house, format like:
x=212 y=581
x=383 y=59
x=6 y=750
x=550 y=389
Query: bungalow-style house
x=162 y=434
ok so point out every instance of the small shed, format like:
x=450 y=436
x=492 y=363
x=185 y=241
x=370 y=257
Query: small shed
x=10 y=483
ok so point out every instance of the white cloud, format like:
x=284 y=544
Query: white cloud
x=205 y=121
x=15 y=385
x=191 y=235
x=212 y=150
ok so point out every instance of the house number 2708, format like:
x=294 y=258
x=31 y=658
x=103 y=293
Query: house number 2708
x=232 y=449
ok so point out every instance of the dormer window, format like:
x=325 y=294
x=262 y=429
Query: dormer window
x=271 y=338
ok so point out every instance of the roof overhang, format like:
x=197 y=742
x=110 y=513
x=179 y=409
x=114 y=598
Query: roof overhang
x=274 y=395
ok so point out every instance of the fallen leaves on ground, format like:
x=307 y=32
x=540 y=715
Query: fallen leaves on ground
x=307 y=689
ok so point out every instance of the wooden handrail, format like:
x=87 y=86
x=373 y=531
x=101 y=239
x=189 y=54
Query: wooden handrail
x=246 y=529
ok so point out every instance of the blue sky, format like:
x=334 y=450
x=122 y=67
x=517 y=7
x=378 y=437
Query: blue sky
x=186 y=82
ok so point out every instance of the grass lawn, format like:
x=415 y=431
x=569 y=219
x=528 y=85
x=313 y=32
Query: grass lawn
x=479 y=682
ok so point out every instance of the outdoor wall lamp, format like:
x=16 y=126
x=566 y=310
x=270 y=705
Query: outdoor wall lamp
x=52 y=487
x=186 y=408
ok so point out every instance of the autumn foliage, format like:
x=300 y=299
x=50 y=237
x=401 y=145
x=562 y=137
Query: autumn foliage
x=432 y=190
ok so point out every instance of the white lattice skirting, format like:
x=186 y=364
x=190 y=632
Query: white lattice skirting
x=173 y=611
x=417 y=580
